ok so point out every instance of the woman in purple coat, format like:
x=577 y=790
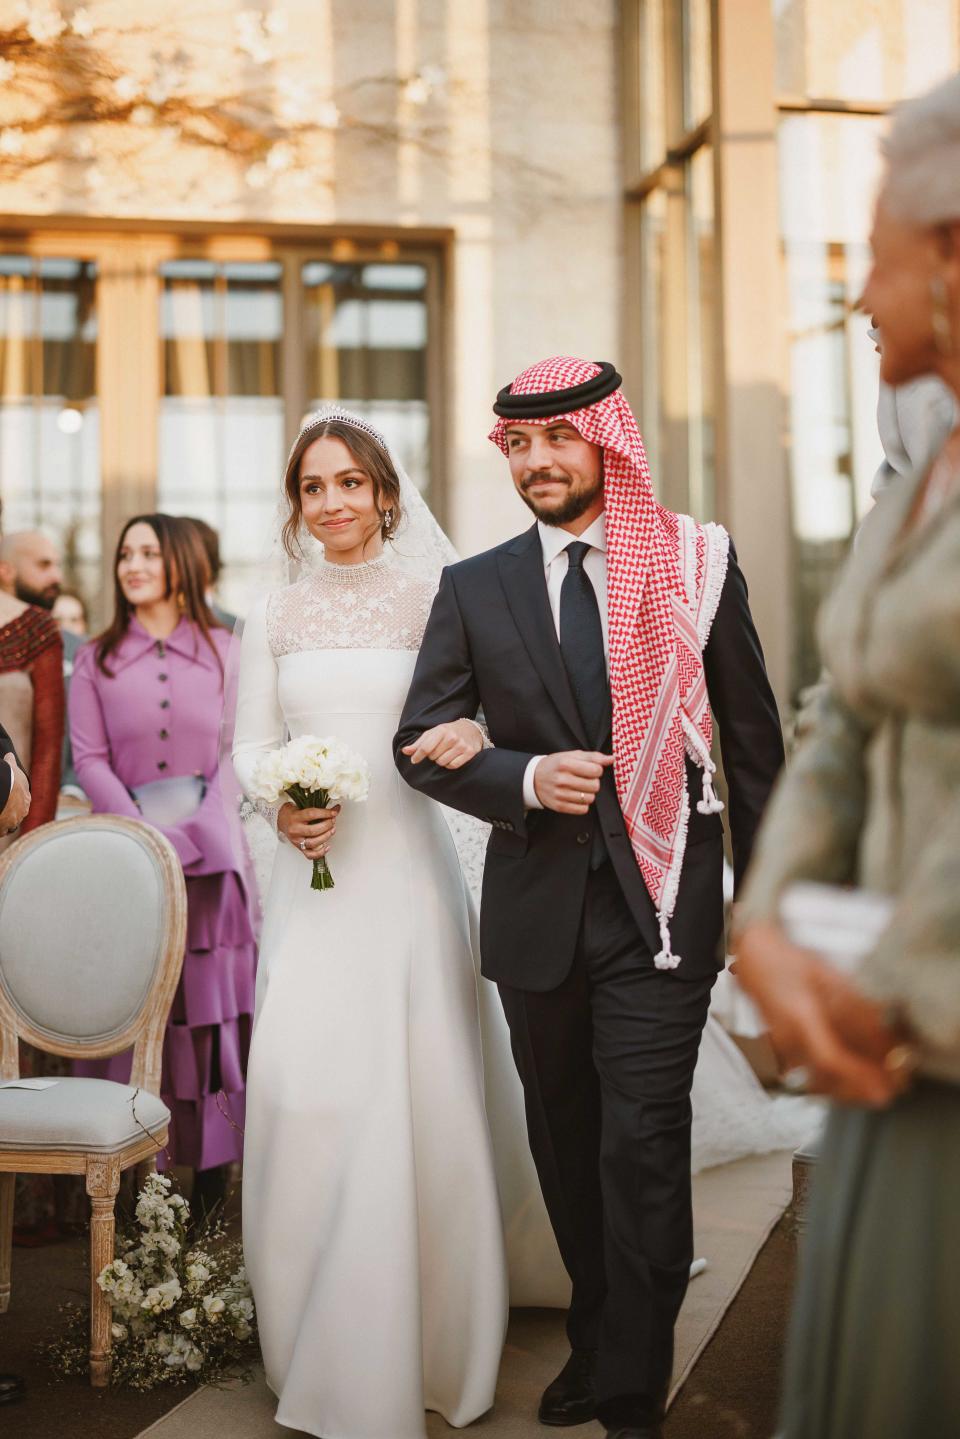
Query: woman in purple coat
x=145 y=705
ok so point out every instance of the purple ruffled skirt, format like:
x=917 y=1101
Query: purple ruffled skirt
x=208 y=1032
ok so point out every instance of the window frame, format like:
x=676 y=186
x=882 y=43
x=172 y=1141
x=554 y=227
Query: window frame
x=128 y=256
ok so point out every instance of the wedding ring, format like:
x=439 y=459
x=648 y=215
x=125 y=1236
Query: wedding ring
x=303 y=845
x=796 y=1080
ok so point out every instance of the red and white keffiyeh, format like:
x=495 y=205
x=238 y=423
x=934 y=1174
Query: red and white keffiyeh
x=665 y=573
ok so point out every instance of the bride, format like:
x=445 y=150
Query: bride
x=371 y=1221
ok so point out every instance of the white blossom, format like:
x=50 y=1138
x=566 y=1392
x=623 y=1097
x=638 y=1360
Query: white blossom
x=416 y=91
x=161 y=1296
x=126 y=88
x=213 y=1307
x=43 y=22
x=257 y=175
x=197 y=1276
x=279 y=157
x=11 y=140
x=188 y=1318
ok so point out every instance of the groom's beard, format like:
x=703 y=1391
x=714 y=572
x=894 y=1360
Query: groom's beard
x=563 y=512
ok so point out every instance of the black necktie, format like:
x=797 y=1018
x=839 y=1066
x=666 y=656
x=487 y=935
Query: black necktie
x=581 y=644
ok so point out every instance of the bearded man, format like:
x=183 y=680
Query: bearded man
x=30 y=568
x=600 y=644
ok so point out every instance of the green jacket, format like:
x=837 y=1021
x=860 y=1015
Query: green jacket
x=872 y=797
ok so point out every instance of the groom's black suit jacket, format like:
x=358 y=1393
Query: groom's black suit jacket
x=491 y=644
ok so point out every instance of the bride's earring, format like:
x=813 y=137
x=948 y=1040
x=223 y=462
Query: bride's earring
x=941 y=320
x=387 y=519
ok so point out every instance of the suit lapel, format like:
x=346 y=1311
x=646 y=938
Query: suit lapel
x=525 y=586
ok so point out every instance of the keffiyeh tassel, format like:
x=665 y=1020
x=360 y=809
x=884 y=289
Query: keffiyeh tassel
x=709 y=803
x=665 y=959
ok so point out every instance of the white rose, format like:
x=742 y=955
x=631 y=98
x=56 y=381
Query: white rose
x=188 y=1318
x=213 y=1307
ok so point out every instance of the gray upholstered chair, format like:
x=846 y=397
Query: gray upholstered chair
x=93 y=915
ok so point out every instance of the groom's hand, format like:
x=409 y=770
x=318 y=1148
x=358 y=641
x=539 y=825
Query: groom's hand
x=568 y=782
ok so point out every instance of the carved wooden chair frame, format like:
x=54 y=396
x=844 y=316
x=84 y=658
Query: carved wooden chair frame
x=144 y=1032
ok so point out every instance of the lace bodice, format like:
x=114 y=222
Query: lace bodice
x=376 y=605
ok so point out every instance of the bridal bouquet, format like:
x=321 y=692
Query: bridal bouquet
x=182 y=1307
x=314 y=774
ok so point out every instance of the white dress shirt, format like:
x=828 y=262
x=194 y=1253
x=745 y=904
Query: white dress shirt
x=553 y=542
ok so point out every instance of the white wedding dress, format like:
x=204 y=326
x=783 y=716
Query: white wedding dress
x=371 y=1221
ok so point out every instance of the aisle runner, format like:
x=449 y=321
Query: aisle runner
x=735 y=1208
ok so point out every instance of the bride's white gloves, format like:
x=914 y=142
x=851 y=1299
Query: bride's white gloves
x=451 y=745
x=311 y=830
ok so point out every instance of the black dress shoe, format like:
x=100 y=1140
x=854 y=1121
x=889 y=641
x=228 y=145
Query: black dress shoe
x=571 y=1398
x=12 y=1388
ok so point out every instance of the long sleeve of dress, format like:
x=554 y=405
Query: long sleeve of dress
x=91 y=746
x=259 y=724
x=813 y=825
x=47 y=724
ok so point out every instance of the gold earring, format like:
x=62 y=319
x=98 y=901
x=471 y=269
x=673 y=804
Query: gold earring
x=941 y=318
x=181 y=601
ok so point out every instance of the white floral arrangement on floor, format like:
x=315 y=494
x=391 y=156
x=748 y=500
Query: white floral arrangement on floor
x=182 y=1307
x=314 y=774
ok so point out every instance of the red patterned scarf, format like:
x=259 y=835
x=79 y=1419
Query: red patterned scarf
x=665 y=573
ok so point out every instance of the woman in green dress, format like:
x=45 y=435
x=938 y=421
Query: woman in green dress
x=872 y=800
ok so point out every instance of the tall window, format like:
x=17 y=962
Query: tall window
x=221 y=415
x=670 y=191
x=49 y=417
x=365 y=345
x=838 y=68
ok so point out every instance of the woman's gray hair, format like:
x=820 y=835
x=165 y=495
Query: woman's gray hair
x=922 y=150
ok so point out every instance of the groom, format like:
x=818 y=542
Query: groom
x=599 y=645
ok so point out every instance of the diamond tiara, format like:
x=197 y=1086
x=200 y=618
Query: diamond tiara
x=334 y=412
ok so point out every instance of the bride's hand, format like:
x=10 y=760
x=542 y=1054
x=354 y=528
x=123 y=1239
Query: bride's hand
x=449 y=745
x=311 y=830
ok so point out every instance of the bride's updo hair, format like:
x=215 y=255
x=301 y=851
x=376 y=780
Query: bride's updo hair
x=369 y=454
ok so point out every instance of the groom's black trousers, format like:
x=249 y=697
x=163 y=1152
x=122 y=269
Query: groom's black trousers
x=607 y=1061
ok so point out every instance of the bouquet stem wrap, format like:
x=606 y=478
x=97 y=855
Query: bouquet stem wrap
x=315 y=799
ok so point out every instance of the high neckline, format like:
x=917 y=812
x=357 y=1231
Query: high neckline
x=353 y=574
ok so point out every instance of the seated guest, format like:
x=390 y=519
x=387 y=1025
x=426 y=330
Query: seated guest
x=145 y=707
x=14 y=787
x=70 y=613
x=211 y=544
x=31 y=683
